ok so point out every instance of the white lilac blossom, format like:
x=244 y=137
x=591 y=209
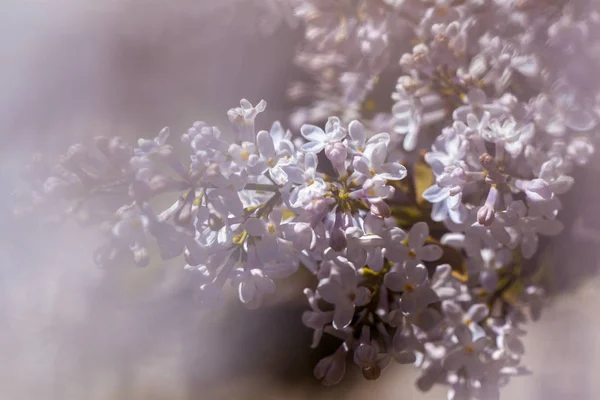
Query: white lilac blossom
x=422 y=268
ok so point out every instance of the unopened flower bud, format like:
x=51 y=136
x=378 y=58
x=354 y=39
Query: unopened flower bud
x=337 y=153
x=486 y=215
x=338 y=240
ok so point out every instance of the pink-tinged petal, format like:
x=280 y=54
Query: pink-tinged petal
x=255 y=227
x=430 y=252
x=392 y=171
x=417 y=235
x=313 y=147
x=343 y=314
x=312 y=133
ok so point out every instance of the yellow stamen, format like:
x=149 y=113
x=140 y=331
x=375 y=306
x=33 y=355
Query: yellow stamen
x=370 y=105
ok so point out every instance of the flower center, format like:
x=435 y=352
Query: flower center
x=271 y=228
x=469 y=349
x=245 y=154
x=409 y=288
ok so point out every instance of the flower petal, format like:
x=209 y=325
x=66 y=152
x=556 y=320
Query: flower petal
x=417 y=235
x=313 y=147
x=264 y=141
x=343 y=314
x=312 y=133
x=392 y=171
x=430 y=252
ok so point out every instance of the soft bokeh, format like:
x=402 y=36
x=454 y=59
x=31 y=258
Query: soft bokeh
x=71 y=70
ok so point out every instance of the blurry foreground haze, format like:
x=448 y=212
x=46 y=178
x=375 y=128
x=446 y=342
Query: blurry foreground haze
x=73 y=69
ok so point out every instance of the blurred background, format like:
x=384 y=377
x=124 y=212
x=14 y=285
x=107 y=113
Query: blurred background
x=71 y=69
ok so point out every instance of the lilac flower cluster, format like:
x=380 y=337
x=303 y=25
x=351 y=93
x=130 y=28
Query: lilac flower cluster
x=489 y=97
